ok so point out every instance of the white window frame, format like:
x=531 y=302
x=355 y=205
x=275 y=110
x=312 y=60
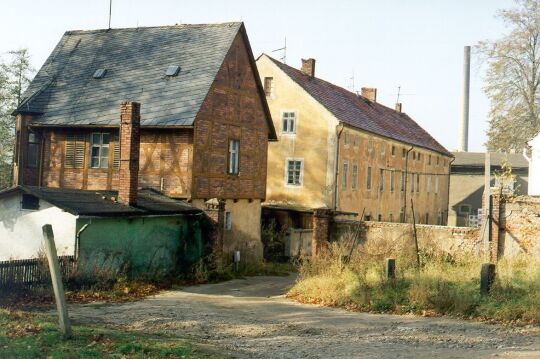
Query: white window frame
x=233 y=166
x=288 y=132
x=100 y=146
x=301 y=177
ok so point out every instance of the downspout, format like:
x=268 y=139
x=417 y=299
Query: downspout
x=78 y=240
x=448 y=191
x=339 y=130
x=406 y=188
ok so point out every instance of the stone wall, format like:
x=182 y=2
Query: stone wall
x=396 y=236
x=520 y=226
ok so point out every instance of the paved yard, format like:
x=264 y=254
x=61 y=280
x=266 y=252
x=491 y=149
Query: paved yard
x=251 y=319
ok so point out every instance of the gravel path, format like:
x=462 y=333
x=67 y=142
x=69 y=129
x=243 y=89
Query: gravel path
x=251 y=319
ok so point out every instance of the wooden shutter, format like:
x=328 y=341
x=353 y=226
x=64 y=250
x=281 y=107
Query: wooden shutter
x=74 y=151
x=116 y=153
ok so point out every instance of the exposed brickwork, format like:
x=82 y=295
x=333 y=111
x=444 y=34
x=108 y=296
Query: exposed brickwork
x=369 y=93
x=308 y=67
x=322 y=219
x=232 y=110
x=130 y=120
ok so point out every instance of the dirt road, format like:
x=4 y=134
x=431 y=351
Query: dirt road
x=251 y=319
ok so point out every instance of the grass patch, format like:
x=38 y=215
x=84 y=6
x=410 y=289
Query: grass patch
x=442 y=286
x=26 y=335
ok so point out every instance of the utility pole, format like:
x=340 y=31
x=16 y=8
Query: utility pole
x=110 y=12
x=464 y=130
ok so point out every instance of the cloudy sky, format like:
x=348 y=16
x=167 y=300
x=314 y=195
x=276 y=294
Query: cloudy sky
x=414 y=44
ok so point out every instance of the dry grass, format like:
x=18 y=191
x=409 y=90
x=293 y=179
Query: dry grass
x=443 y=284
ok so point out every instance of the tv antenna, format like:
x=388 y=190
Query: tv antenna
x=399 y=94
x=352 y=81
x=284 y=49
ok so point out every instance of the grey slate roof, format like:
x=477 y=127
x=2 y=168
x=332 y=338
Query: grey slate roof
x=102 y=203
x=65 y=93
x=477 y=159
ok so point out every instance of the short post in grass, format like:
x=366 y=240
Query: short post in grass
x=390 y=268
x=56 y=277
x=487 y=277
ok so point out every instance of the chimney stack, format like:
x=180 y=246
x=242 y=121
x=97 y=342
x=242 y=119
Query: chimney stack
x=130 y=122
x=308 y=67
x=370 y=93
x=398 y=107
x=464 y=130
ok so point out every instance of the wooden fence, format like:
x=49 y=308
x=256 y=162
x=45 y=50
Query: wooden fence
x=31 y=273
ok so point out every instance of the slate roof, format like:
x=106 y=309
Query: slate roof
x=103 y=203
x=477 y=159
x=65 y=93
x=357 y=111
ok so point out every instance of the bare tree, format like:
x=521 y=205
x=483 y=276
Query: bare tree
x=513 y=78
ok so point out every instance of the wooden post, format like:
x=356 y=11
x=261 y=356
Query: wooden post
x=56 y=277
x=487 y=277
x=414 y=235
x=390 y=268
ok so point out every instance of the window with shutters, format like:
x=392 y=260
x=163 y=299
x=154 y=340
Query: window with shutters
x=294 y=172
x=99 y=150
x=116 y=153
x=74 y=156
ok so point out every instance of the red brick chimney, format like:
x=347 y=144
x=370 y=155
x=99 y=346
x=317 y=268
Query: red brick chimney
x=130 y=122
x=370 y=93
x=308 y=67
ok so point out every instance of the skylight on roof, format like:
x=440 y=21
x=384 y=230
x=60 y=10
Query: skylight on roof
x=100 y=73
x=172 y=70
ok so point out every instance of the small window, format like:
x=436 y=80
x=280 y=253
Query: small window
x=234 y=157
x=367 y=217
x=345 y=175
x=99 y=151
x=401 y=216
x=438 y=160
x=30 y=202
x=268 y=86
x=288 y=123
x=391 y=217
x=393 y=151
x=228 y=221
x=99 y=73
x=370 y=145
x=294 y=172
x=379 y=218
x=172 y=70
x=356 y=141
x=354 y=176
x=427 y=218
x=33 y=150
x=402 y=186
x=429 y=160
x=368 y=180
x=414 y=155
x=465 y=209
x=419 y=156
x=403 y=153
x=381 y=180
x=346 y=138
x=392 y=181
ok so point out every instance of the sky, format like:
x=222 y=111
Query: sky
x=416 y=45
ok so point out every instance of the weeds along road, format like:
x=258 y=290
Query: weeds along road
x=251 y=319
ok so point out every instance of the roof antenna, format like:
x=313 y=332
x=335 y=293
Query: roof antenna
x=352 y=81
x=398 y=93
x=110 y=13
x=284 y=49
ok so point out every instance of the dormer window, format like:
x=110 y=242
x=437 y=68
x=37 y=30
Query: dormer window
x=100 y=73
x=172 y=71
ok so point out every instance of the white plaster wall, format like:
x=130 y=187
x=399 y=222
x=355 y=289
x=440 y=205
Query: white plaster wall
x=20 y=229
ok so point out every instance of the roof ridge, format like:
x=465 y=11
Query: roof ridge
x=138 y=28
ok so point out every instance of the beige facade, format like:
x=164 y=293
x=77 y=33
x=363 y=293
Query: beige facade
x=312 y=143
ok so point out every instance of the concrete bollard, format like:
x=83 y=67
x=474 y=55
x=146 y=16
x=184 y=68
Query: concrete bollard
x=390 y=268
x=487 y=277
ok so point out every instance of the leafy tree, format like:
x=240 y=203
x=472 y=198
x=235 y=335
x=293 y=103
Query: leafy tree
x=513 y=78
x=15 y=76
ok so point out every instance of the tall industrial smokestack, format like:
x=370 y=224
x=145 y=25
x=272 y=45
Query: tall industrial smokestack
x=464 y=130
